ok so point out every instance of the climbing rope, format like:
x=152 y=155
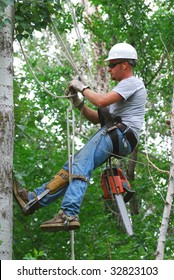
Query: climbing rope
x=64 y=48
x=70 y=140
x=81 y=44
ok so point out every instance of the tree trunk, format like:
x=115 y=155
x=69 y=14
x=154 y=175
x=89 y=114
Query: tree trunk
x=169 y=198
x=134 y=204
x=6 y=136
x=101 y=77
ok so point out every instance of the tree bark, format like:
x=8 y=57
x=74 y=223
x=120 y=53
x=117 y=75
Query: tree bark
x=134 y=203
x=101 y=77
x=6 y=135
x=169 y=198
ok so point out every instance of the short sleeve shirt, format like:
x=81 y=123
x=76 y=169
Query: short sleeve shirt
x=132 y=108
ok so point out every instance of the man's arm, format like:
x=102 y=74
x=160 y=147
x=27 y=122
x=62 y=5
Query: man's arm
x=89 y=113
x=102 y=100
x=97 y=99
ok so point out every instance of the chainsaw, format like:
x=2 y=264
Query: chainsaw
x=116 y=187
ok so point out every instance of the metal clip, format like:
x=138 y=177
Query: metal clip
x=124 y=142
x=104 y=132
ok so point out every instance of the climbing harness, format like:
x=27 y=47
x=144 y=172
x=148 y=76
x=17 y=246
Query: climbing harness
x=116 y=187
x=111 y=124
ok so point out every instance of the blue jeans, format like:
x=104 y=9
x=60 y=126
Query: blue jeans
x=93 y=154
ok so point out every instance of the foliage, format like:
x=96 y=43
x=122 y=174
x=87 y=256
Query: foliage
x=33 y=15
x=41 y=126
x=3 y=5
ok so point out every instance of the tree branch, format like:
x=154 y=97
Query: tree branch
x=37 y=80
x=158 y=70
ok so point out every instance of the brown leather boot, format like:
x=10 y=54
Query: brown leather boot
x=21 y=196
x=61 y=222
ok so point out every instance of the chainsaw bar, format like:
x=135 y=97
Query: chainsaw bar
x=124 y=215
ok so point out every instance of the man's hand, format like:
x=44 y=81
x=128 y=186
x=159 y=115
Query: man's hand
x=74 y=97
x=77 y=85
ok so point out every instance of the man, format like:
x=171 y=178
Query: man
x=121 y=113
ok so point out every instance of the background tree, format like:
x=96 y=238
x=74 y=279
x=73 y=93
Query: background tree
x=170 y=193
x=6 y=128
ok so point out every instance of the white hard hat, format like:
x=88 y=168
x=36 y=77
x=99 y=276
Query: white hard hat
x=122 y=51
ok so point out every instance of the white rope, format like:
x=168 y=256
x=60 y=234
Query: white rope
x=65 y=49
x=79 y=37
x=70 y=140
x=72 y=245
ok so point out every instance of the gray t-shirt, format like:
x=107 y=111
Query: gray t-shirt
x=132 y=108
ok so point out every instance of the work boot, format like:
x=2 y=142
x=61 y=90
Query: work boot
x=61 y=222
x=21 y=196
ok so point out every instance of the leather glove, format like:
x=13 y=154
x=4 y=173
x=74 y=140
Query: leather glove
x=75 y=98
x=77 y=85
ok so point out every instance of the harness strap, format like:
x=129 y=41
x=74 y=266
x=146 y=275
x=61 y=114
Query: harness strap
x=112 y=123
x=106 y=118
x=114 y=137
x=78 y=177
x=128 y=134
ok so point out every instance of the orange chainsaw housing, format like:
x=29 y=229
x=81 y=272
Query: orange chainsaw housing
x=113 y=182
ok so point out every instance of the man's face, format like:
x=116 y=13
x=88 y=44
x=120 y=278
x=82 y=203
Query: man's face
x=115 y=69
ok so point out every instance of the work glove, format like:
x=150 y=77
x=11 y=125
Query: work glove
x=77 y=85
x=74 y=97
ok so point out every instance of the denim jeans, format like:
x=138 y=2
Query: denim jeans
x=93 y=154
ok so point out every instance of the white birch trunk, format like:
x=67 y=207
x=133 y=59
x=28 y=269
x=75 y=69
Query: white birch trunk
x=6 y=137
x=169 y=198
